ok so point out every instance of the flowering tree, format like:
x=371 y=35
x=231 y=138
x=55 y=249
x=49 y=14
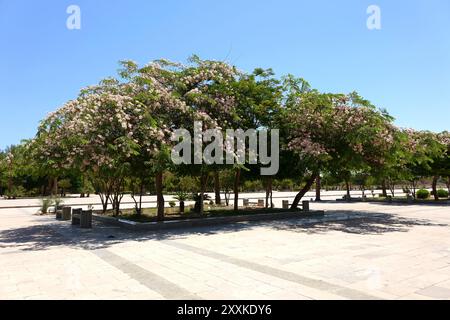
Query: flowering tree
x=99 y=133
x=118 y=133
x=198 y=91
x=336 y=133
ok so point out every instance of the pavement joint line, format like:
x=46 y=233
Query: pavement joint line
x=275 y=272
x=152 y=281
x=145 y=277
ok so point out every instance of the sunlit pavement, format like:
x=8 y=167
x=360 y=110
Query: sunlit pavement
x=372 y=251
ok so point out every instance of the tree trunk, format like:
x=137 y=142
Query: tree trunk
x=141 y=193
x=217 y=188
x=237 y=179
x=448 y=184
x=203 y=182
x=304 y=190
x=55 y=186
x=269 y=192
x=116 y=205
x=434 y=187
x=227 y=197
x=159 y=195
x=392 y=187
x=10 y=179
x=347 y=187
x=181 y=207
x=318 y=186
x=138 y=203
x=105 y=200
x=383 y=188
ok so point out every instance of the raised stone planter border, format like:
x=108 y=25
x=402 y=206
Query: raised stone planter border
x=203 y=222
x=398 y=201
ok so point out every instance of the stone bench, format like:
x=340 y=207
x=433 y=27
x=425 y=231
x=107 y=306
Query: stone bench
x=58 y=212
x=66 y=213
x=305 y=205
x=259 y=203
x=83 y=218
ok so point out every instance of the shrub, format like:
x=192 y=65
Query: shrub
x=252 y=186
x=16 y=192
x=423 y=194
x=442 y=193
x=285 y=185
x=58 y=202
x=172 y=204
x=196 y=197
x=45 y=205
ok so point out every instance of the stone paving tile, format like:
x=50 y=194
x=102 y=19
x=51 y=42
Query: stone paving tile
x=435 y=292
x=389 y=252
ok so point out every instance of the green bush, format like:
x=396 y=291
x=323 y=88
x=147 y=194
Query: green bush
x=16 y=192
x=252 y=186
x=172 y=204
x=45 y=205
x=442 y=193
x=57 y=202
x=284 y=185
x=423 y=194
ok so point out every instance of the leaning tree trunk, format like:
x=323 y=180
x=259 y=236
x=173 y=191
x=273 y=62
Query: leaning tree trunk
x=159 y=195
x=434 y=187
x=237 y=179
x=217 y=187
x=304 y=190
x=318 y=186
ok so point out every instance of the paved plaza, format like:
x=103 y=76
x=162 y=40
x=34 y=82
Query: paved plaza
x=359 y=251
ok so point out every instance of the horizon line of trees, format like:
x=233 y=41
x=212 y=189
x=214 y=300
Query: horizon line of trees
x=115 y=137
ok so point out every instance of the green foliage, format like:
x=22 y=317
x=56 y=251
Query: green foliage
x=422 y=194
x=46 y=203
x=284 y=185
x=181 y=196
x=57 y=202
x=252 y=186
x=197 y=198
x=115 y=136
x=16 y=192
x=442 y=193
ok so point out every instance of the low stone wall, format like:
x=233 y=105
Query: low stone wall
x=397 y=201
x=201 y=222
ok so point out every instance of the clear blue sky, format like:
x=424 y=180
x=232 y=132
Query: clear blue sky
x=404 y=67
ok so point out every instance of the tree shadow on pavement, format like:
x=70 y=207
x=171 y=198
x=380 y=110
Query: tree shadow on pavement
x=368 y=224
x=56 y=234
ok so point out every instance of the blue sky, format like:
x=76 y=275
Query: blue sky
x=404 y=67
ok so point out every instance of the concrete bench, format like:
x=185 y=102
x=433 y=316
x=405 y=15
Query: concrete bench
x=305 y=205
x=259 y=203
x=66 y=213
x=58 y=212
x=83 y=218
